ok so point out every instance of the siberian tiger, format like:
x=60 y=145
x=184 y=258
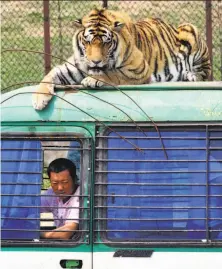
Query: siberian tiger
x=110 y=48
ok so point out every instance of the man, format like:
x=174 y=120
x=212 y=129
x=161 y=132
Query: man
x=62 y=199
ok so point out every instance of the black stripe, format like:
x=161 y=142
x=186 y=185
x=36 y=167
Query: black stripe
x=166 y=68
x=172 y=31
x=155 y=68
x=101 y=17
x=63 y=77
x=81 y=73
x=187 y=59
x=115 y=45
x=186 y=44
x=138 y=39
x=70 y=73
x=180 y=73
x=155 y=38
x=145 y=40
x=171 y=35
x=191 y=31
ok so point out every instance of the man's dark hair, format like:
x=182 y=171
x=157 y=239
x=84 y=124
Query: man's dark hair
x=61 y=164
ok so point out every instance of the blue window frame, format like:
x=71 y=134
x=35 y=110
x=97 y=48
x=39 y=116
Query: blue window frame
x=152 y=198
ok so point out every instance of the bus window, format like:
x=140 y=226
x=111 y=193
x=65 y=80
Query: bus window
x=144 y=197
x=24 y=181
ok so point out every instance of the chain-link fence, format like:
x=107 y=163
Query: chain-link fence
x=47 y=26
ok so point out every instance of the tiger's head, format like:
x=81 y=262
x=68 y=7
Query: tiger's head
x=97 y=47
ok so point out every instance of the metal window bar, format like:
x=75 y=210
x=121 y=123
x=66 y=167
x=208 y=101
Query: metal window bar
x=81 y=235
x=207 y=209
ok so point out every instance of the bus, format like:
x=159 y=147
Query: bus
x=149 y=166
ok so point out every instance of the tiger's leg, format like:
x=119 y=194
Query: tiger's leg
x=194 y=53
x=43 y=94
x=66 y=74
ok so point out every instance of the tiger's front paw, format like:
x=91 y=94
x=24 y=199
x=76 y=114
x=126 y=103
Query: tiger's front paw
x=42 y=96
x=91 y=82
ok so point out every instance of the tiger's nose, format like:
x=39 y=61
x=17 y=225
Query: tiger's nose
x=96 y=62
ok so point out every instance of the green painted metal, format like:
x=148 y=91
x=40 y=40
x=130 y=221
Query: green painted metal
x=40 y=248
x=104 y=248
x=76 y=129
x=161 y=102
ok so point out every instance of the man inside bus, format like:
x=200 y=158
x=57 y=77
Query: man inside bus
x=62 y=199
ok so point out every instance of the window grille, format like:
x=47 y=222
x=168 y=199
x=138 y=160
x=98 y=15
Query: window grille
x=143 y=198
x=23 y=180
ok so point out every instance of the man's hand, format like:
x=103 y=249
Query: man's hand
x=64 y=232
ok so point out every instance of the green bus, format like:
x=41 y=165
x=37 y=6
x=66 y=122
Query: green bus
x=149 y=165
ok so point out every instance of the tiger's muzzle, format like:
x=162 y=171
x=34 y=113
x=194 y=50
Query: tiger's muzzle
x=97 y=70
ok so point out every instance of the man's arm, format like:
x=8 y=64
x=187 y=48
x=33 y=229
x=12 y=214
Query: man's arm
x=64 y=232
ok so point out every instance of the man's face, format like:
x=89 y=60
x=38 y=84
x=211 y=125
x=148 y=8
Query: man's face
x=62 y=183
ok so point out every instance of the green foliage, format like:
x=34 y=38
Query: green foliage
x=17 y=67
x=34 y=17
x=46 y=180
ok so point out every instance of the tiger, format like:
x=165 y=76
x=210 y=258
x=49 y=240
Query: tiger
x=109 y=48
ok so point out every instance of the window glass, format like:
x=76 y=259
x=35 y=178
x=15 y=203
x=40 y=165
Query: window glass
x=21 y=178
x=154 y=198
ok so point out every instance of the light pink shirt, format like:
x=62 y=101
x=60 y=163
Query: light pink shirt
x=62 y=213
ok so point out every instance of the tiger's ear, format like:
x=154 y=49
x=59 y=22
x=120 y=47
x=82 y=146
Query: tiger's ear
x=78 y=23
x=118 y=26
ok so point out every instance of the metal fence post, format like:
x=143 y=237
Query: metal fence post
x=209 y=31
x=47 y=48
x=105 y=3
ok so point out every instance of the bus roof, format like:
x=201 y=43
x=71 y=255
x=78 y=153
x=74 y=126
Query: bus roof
x=199 y=101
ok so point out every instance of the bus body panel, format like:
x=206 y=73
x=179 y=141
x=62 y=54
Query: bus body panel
x=42 y=259
x=159 y=260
